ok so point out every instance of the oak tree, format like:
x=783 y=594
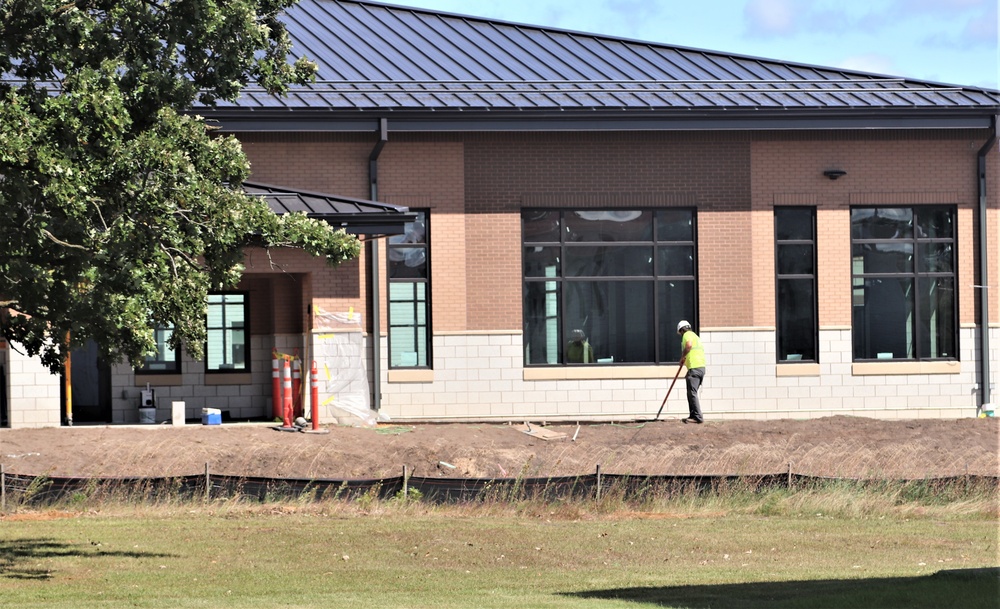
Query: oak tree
x=119 y=208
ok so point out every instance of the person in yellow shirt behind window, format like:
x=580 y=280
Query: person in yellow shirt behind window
x=579 y=351
x=693 y=357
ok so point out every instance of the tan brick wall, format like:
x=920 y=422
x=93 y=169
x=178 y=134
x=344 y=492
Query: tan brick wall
x=430 y=175
x=607 y=170
x=886 y=168
x=475 y=185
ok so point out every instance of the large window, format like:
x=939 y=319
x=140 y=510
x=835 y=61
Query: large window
x=622 y=278
x=409 y=296
x=164 y=360
x=903 y=273
x=795 y=265
x=227 y=348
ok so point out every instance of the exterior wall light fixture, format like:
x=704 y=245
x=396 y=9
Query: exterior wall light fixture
x=833 y=174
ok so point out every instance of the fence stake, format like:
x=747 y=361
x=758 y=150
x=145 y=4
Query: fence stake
x=406 y=479
x=789 y=483
x=3 y=489
x=598 y=481
x=208 y=483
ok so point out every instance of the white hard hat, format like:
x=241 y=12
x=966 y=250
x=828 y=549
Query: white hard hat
x=682 y=324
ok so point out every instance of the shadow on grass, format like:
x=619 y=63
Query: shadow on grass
x=19 y=557
x=969 y=589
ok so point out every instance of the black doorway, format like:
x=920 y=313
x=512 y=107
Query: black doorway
x=91 y=384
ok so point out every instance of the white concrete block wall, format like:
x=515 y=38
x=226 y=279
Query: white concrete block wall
x=33 y=392
x=479 y=376
x=242 y=400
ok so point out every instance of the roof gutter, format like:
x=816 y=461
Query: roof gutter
x=373 y=261
x=634 y=120
x=984 y=277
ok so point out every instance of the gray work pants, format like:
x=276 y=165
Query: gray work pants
x=694 y=378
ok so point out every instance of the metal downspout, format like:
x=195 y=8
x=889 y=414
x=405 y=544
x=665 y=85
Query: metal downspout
x=383 y=137
x=984 y=277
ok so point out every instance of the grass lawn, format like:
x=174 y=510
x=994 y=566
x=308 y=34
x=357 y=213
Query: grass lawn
x=325 y=555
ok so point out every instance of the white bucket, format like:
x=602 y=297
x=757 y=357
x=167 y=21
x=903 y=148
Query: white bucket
x=147 y=415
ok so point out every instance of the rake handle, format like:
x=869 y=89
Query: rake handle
x=676 y=376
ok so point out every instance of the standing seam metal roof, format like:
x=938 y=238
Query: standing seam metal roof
x=356 y=216
x=375 y=56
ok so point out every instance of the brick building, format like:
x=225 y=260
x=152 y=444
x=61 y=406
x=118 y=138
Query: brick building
x=828 y=233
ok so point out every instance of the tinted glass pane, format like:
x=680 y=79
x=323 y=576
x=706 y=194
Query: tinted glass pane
x=616 y=317
x=676 y=299
x=937 y=317
x=935 y=223
x=214 y=355
x=408 y=262
x=540 y=226
x=795 y=259
x=402 y=291
x=403 y=349
x=422 y=342
x=882 y=257
x=881 y=223
x=609 y=225
x=237 y=340
x=935 y=257
x=675 y=260
x=413 y=232
x=541 y=322
x=675 y=225
x=164 y=358
x=541 y=261
x=796 y=320
x=883 y=319
x=615 y=261
x=402 y=314
x=408 y=324
x=226 y=347
x=794 y=223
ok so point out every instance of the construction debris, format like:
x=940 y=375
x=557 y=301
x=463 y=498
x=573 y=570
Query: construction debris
x=541 y=433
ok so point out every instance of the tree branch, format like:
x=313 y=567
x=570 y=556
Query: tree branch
x=55 y=240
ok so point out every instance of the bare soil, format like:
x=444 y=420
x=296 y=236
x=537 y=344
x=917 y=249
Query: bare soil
x=831 y=446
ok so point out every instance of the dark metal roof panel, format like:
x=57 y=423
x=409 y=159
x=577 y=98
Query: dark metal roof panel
x=376 y=56
x=356 y=216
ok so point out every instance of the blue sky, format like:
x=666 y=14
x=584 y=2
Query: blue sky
x=949 y=41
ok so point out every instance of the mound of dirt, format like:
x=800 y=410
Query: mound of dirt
x=832 y=446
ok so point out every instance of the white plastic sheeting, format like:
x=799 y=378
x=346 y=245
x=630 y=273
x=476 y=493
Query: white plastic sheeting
x=338 y=349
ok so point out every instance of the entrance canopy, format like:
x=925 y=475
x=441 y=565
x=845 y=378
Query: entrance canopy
x=369 y=219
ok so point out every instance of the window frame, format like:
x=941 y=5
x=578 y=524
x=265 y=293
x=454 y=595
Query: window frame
x=916 y=275
x=779 y=276
x=424 y=245
x=173 y=367
x=246 y=331
x=656 y=278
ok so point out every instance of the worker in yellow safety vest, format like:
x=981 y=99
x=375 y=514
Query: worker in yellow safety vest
x=692 y=357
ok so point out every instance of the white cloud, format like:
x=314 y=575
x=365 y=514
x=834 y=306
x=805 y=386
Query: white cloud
x=947 y=7
x=869 y=62
x=982 y=28
x=770 y=17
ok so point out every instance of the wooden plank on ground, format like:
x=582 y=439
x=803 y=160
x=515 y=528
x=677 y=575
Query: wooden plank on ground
x=540 y=432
